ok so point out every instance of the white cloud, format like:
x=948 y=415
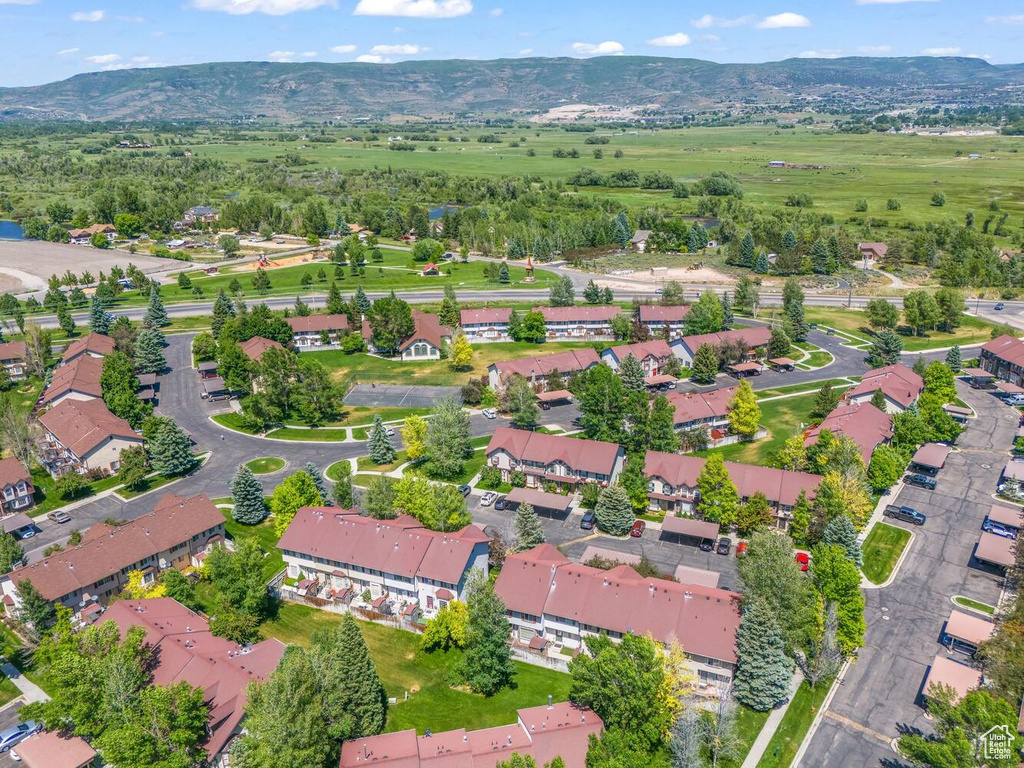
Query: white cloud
x=827 y=53
x=608 y=47
x=67 y=51
x=707 y=20
x=343 y=49
x=17 y=2
x=269 y=7
x=526 y=51
x=419 y=9
x=1017 y=19
x=105 y=58
x=371 y=58
x=784 y=21
x=281 y=56
x=308 y=54
x=677 y=40
x=497 y=12
x=402 y=49
x=951 y=50
x=892 y=2
x=140 y=59
x=130 y=19
x=874 y=50
x=88 y=16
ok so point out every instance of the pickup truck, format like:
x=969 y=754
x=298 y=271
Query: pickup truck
x=906 y=514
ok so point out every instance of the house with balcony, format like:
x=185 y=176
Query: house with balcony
x=96 y=570
x=14 y=359
x=318 y=331
x=16 y=490
x=753 y=341
x=664 y=322
x=90 y=345
x=337 y=555
x=84 y=236
x=653 y=356
x=78 y=380
x=564 y=461
x=707 y=410
x=1003 y=357
x=582 y=322
x=550 y=597
x=481 y=325
x=672 y=484
x=900 y=386
x=540 y=371
x=864 y=424
x=83 y=436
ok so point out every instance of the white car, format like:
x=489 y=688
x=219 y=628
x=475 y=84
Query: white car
x=389 y=431
x=488 y=499
x=490 y=413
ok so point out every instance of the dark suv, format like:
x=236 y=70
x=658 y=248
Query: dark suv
x=587 y=523
x=921 y=481
x=906 y=514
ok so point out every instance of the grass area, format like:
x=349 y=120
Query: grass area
x=324 y=435
x=433 y=702
x=233 y=421
x=365 y=463
x=273 y=563
x=332 y=471
x=854 y=322
x=151 y=483
x=748 y=725
x=46 y=496
x=882 y=549
x=362 y=415
x=782 y=419
x=817 y=359
x=367 y=368
x=966 y=602
x=8 y=691
x=794 y=726
x=473 y=465
x=266 y=465
x=795 y=388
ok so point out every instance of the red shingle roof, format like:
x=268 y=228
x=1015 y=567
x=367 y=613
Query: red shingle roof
x=82 y=425
x=563 y=362
x=498 y=315
x=318 y=323
x=867 y=426
x=13 y=350
x=93 y=343
x=580 y=314
x=701 y=406
x=12 y=472
x=655 y=313
x=257 y=345
x=426 y=328
x=656 y=348
x=80 y=375
x=897 y=382
x=758 y=336
x=1008 y=348
x=580 y=455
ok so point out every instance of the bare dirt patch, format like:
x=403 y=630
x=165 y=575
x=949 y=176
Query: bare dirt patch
x=656 y=276
x=287 y=261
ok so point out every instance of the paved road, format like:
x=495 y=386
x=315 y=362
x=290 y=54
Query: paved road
x=881 y=692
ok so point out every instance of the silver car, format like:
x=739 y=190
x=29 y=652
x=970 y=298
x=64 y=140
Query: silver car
x=16 y=734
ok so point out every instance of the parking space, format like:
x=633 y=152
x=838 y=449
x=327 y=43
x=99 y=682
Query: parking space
x=9 y=717
x=392 y=396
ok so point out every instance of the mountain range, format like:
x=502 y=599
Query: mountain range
x=321 y=91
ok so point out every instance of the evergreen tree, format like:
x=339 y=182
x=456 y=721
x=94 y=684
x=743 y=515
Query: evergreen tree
x=336 y=305
x=614 y=511
x=223 y=310
x=170 y=450
x=920 y=366
x=744 y=412
x=632 y=373
x=503 y=274
x=746 y=296
x=98 y=320
x=789 y=241
x=592 y=293
x=487 y=664
x=529 y=531
x=840 y=531
x=362 y=301
x=824 y=402
x=318 y=480
x=662 y=434
x=705 y=365
x=719 y=500
x=820 y=261
x=449 y=313
x=886 y=349
x=380 y=448
x=250 y=508
x=149 y=352
x=65 y=320
x=747 y=255
x=953 y=359
x=727 y=316
x=762 y=266
x=779 y=344
x=621 y=231
x=878 y=399
x=343 y=485
x=156 y=315
x=762 y=670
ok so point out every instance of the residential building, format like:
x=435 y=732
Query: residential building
x=84 y=236
x=657 y=318
x=50 y=749
x=900 y=386
x=428 y=338
x=672 y=484
x=485 y=324
x=97 y=570
x=873 y=251
x=399 y=561
x=78 y=380
x=755 y=339
x=549 y=596
x=639 y=239
x=14 y=358
x=709 y=410
x=565 y=461
x=83 y=436
x=866 y=425
x=540 y=370
x=653 y=355
x=1003 y=357
x=200 y=214
x=315 y=331
x=257 y=345
x=16 y=491
x=186 y=651
x=541 y=733
x=92 y=345
x=582 y=322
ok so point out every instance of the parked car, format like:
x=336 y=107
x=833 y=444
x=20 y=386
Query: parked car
x=1014 y=400
x=500 y=503
x=921 y=481
x=707 y=545
x=587 y=523
x=906 y=514
x=999 y=529
x=490 y=413
x=741 y=549
x=803 y=560
x=724 y=546
x=545 y=406
x=60 y=517
x=464 y=490
x=389 y=431
x=16 y=734
x=639 y=526
x=27 y=533
x=1000 y=307
x=488 y=499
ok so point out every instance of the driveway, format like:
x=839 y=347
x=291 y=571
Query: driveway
x=391 y=396
x=880 y=693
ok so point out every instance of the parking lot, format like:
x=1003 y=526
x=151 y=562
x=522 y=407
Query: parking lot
x=9 y=717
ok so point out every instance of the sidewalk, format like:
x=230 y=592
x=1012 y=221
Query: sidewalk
x=29 y=690
x=771 y=725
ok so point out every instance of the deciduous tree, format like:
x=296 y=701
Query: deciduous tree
x=295 y=492
x=719 y=501
x=487 y=664
x=744 y=412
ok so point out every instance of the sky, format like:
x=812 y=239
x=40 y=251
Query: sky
x=46 y=40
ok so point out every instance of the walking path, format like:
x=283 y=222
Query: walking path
x=771 y=725
x=29 y=690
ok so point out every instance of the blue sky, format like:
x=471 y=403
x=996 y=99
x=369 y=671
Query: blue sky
x=45 y=40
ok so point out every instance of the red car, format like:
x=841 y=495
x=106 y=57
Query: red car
x=638 y=529
x=741 y=549
x=804 y=561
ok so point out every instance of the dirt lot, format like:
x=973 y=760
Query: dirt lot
x=287 y=261
x=25 y=265
x=704 y=275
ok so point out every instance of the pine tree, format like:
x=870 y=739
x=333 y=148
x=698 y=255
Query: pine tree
x=727 y=316
x=824 y=402
x=170 y=450
x=662 y=434
x=336 y=305
x=705 y=365
x=65 y=320
x=789 y=241
x=886 y=349
x=878 y=399
x=529 y=531
x=98 y=320
x=763 y=670
x=156 y=315
x=149 y=352
x=487 y=664
x=719 y=500
x=362 y=301
x=250 y=508
x=632 y=373
x=744 y=412
x=614 y=511
x=449 y=313
x=954 y=360
x=223 y=310
x=747 y=247
x=761 y=265
x=318 y=480
x=503 y=274
x=592 y=294
x=820 y=261
x=840 y=531
x=380 y=448
x=920 y=366
x=779 y=344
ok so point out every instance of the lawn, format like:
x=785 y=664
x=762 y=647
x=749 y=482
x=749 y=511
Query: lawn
x=47 y=499
x=782 y=418
x=365 y=463
x=323 y=435
x=817 y=359
x=433 y=702
x=150 y=483
x=473 y=465
x=233 y=421
x=794 y=726
x=362 y=415
x=748 y=725
x=966 y=602
x=265 y=466
x=855 y=322
x=273 y=563
x=8 y=691
x=882 y=549
x=332 y=471
x=793 y=389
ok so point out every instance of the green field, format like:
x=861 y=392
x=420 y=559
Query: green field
x=265 y=466
x=792 y=389
x=973 y=331
x=782 y=419
x=433 y=702
x=882 y=549
x=794 y=726
x=273 y=563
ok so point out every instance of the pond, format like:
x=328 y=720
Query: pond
x=436 y=213
x=11 y=230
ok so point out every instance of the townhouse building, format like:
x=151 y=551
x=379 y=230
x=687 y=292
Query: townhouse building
x=564 y=461
x=14 y=359
x=481 y=325
x=664 y=322
x=255 y=347
x=91 y=345
x=539 y=371
x=318 y=331
x=864 y=424
x=77 y=380
x=582 y=322
x=1003 y=357
x=83 y=436
x=900 y=386
x=754 y=340
x=653 y=355
x=708 y=410
x=16 y=489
